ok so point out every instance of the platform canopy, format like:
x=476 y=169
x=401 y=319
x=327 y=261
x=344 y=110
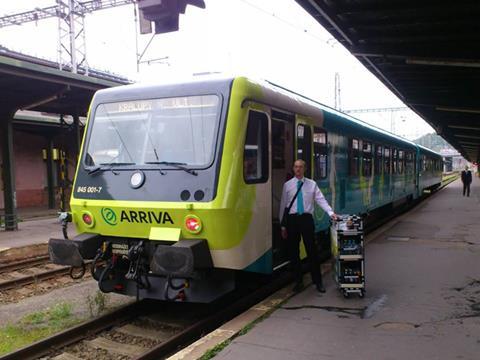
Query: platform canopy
x=29 y=83
x=426 y=52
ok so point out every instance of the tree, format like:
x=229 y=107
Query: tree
x=433 y=142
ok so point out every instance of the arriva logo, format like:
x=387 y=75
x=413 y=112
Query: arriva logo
x=109 y=216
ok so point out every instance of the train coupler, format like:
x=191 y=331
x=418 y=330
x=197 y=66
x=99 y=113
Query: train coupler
x=138 y=266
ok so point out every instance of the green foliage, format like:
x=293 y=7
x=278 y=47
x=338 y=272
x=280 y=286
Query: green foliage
x=34 y=318
x=433 y=141
x=36 y=326
x=59 y=313
x=211 y=353
x=96 y=304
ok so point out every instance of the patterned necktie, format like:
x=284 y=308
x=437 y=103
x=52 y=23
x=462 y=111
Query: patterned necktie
x=299 y=199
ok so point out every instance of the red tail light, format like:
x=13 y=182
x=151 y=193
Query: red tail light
x=87 y=219
x=193 y=224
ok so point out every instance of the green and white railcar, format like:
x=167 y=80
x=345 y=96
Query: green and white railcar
x=178 y=186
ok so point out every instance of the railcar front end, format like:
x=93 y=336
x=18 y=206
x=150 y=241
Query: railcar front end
x=159 y=201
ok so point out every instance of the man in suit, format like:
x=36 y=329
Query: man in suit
x=299 y=222
x=466 y=180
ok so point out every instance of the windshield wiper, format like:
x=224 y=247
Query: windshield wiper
x=107 y=166
x=177 y=165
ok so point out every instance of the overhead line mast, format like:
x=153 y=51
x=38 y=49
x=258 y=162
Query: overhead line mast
x=72 y=50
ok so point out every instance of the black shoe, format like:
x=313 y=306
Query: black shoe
x=320 y=288
x=298 y=287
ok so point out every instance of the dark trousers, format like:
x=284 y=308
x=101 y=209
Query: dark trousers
x=302 y=226
x=466 y=189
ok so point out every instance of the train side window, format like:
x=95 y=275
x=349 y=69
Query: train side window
x=304 y=147
x=377 y=163
x=394 y=161
x=354 y=157
x=409 y=162
x=255 y=153
x=401 y=158
x=386 y=161
x=320 y=153
x=367 y=159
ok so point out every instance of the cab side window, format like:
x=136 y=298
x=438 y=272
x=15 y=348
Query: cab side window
x=304 y=147
x=320 y=153
x=255 y=153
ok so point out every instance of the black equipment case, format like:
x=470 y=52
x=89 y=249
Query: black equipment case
x=349 y=254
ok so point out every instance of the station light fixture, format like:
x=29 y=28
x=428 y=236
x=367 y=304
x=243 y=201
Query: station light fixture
x=163 y=13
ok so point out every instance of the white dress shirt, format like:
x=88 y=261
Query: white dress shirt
x=311 y=195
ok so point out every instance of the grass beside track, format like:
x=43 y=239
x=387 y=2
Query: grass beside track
x=36 y=326
x=450 y=177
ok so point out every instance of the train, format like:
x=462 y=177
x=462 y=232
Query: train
x=178 y=186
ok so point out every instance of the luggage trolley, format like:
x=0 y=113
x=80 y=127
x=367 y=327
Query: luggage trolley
x=349 y=254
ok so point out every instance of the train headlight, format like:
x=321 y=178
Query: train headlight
x=88 y=219
x=137 y=179
x=193 y=224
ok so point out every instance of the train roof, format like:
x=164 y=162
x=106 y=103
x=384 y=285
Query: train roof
x=313 y=103
x=425 y=149
x=171 y=87
x=274 y=93
x=351 y=119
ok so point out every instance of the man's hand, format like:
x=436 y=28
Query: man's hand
x=334 y=217
x=284 y=233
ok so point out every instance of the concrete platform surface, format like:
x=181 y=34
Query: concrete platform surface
x=422 y=301
x=35 y=231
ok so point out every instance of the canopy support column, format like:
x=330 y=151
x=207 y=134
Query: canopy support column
x=50 y=175
x=8 y=171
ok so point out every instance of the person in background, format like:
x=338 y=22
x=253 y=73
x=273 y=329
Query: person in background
x=299 y=222
x=466 y=180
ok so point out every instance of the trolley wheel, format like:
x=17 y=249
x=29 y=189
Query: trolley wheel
x=361 y=294
x=345 y=294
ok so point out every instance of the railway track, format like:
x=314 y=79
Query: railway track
x=23 y=264
x=145 y=329
x=29 y=271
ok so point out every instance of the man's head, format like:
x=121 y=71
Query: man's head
x=299 y=168
x=466 y=167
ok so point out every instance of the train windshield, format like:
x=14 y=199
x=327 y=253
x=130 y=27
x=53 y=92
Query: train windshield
x=179 y=130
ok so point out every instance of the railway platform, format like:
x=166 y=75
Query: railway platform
x=31 y=238
x=31 y=232
x=422 y=300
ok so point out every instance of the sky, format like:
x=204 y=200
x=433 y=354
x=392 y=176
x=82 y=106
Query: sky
x=274 y=40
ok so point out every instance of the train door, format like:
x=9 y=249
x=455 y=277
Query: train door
x=256 y=172
x=282 y=157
